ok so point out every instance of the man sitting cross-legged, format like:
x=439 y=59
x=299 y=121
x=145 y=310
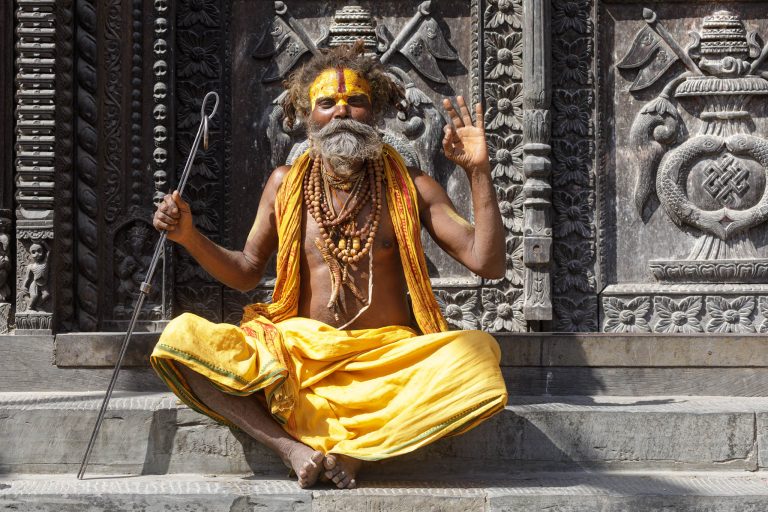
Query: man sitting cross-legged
x=341 y=367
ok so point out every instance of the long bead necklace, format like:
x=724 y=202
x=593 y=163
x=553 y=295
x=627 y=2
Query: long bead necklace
x=342 y=243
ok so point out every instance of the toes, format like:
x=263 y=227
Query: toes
x=329 y=462
x=352 y=484
x=317 y=457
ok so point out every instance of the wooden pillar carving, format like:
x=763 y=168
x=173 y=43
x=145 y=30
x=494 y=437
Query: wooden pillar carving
x=537 y=165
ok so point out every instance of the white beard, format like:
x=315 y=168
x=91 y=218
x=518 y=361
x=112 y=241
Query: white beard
x=345 y=144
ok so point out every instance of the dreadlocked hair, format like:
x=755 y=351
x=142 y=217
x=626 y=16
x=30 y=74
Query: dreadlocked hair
x=385 y=92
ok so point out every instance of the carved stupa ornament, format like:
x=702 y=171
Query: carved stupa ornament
x=421 y=40
x=716 y=179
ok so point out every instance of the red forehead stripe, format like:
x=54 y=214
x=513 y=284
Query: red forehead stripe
x=341 y=80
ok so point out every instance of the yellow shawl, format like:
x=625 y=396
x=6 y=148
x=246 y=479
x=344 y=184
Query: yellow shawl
x=403 y=207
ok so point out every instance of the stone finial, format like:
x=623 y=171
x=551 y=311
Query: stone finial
x=352 y=23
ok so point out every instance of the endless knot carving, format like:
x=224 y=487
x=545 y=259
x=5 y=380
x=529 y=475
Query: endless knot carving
x=726 y=179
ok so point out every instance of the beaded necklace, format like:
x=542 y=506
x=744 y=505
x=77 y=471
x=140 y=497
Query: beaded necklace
x=342 y=243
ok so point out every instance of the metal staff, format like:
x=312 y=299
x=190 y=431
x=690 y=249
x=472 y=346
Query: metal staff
x=145 y=288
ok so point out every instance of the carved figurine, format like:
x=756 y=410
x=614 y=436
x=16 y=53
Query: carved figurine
x=36 y=282
x=5 y=268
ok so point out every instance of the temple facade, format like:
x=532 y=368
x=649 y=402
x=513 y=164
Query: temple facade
x=627 y=147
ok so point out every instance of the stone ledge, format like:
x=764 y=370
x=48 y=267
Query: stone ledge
x=566 y=492
x=100 y=350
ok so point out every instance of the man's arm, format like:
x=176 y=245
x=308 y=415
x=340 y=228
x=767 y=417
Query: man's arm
x=480 y=247
x=241 y=270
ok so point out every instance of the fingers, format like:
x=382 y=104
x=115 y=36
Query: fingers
x=454 y=116
x=169 y=212
x=479 y=116
x=180 y=203
x=466 y=117
x=451 y=142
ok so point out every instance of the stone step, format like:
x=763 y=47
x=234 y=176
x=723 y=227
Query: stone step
x=151 y=433
x=563 y=492
x=532 y=363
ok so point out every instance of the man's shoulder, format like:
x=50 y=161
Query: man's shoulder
x=276 y=179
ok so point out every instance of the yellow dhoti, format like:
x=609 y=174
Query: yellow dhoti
x=368 y=393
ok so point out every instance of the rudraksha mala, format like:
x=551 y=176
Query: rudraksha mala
x=342 y=243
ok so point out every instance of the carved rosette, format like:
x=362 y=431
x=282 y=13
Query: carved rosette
x=502 y=73
x=686 y=309
x=572 y=177
x=34 y=165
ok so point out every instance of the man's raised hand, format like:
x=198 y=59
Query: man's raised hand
x=464 y=141
x=174 y=216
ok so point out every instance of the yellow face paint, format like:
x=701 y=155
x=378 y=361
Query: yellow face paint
x=340 y=84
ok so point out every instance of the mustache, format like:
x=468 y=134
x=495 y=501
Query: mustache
x=341 y=125
x=346 y=140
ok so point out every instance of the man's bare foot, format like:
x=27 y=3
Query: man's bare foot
x=306 y=463
x=342 y=470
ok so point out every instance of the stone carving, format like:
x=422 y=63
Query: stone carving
x=579 y=315
x=515 y=270
x=459 y=308
x=504 y=13
x=677 y=315
x=35 y=158
x=626 y=316
x=574 y=212
x=574 y=267
x=503 y=311
x=6 y=268
x=571 y=163
x=6 y=273
x=571 y=59
x=687 y=308
x=113 y=98
x=160 y=88
x=504 y=116
x=504 y=55
x=203 y=300
x=511 y=207
x=730 y=315
x=571 y=16
x=506 y=154
x=138 y=181
x=36 y=282
x=715 y=271
x=715 y=180
x=87 y=205
x=574 y=277
x=64 y=264
x=763 y=307
x=133 y=250
x=202 y=37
